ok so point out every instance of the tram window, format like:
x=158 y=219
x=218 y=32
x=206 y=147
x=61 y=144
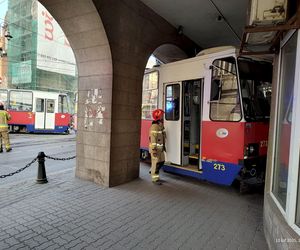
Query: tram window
x=3 y=96
x=224 y=99
x=50 y=106
x=20 y=101
x=39 y=106
x=187 y=98
x=256 y=88
x=172 y=102
x=62 y=104
x=150 y=94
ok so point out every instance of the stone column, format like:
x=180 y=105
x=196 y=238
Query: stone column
x=83 y=27
x=134 y=31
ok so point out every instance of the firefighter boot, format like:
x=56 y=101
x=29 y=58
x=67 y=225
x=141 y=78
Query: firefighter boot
x=155 y=179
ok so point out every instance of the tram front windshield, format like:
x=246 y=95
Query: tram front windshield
x=255 y=80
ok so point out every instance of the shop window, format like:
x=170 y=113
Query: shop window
x=172 y=102
x=284 y=121
x=298 y=198
x=150 y=94
x=224 y=99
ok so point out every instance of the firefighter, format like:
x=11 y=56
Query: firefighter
x=157 y=138
x=4 y=137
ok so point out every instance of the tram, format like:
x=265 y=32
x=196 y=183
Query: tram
x=36 y=111
x=217 y=108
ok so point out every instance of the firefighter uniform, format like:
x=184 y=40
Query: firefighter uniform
x=4 y=138
x=157 y=138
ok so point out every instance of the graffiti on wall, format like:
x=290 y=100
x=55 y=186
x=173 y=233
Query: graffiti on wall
x=94 y=108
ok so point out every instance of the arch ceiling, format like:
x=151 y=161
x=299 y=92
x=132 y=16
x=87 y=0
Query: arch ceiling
x=201 y=19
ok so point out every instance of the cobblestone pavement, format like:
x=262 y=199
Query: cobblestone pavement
x=68 y=213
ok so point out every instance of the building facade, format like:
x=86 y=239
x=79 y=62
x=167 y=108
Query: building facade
x=3 y=57
x=39 y=55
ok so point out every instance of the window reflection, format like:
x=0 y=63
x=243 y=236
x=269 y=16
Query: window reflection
x=172 y=102
x=284 y=121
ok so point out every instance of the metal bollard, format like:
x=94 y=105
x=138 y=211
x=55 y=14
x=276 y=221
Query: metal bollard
x=41 y=176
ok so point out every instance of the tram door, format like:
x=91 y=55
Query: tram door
x=183 y=111
x=191 y=122
x=172 y=121
x=45 y=113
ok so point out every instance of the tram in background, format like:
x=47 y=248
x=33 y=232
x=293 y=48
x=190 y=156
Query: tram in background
x=74 y=116
x=37 y=111
x=217 y=108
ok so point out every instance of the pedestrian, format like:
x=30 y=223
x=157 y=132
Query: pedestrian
x=157 y=139
x=4 y=137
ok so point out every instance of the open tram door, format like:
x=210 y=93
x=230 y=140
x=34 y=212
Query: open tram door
x=183 y=112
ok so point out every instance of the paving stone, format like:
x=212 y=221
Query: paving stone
x=11 y=241
x=68 y=213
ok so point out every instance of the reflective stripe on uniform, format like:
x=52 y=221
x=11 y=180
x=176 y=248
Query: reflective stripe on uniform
x=157 y=144
x=156 y=132
x=155 y=177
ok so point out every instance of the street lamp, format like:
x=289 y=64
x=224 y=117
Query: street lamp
x=5 y=29
x=8 y=35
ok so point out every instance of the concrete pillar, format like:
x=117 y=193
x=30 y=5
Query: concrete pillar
x=134 y=31
x=112 y=41
x=83 y=27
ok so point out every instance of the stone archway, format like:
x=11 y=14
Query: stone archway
x=85 y=32
x=112 y=41
x=169 y=53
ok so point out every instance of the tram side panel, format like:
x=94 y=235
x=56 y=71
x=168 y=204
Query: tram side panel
x=222 y=149
x=62 y=122
x=20 y=119
x=144 y=139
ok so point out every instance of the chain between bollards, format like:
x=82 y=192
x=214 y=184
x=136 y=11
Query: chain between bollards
x=41 y=176
x=19 y=170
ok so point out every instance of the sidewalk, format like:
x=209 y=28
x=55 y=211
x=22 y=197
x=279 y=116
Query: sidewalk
x=68 y=213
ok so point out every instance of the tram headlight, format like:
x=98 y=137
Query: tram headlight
x=251 y=150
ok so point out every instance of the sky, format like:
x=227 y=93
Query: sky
x=151 y=62
x=3 y=9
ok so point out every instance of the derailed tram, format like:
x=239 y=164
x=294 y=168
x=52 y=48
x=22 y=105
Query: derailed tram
x=217 y=108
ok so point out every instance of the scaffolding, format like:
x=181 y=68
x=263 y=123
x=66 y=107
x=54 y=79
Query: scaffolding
x=22 y=54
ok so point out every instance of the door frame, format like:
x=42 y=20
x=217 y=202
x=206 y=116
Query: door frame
x=192 y=117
